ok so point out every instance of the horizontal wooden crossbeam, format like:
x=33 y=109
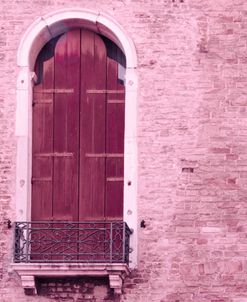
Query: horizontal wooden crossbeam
x=114 y=179
x=54 y=154
x=115 y=101
x=38 y=179
x=104 y=155
x=105 y=91
x=55 y=90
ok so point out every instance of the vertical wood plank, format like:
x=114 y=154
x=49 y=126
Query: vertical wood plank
x=42 y=133
x=92 y=128
x=114 y=143
x=66 y=126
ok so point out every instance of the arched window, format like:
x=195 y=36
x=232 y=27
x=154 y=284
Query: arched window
x=79 y=112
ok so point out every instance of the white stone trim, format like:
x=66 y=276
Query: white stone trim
x=55 y=23
x=40 y=32
x=115 y=271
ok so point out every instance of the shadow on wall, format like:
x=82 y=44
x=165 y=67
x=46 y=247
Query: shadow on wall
x=76 y=289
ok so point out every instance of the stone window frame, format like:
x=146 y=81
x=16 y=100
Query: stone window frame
x=35 y=37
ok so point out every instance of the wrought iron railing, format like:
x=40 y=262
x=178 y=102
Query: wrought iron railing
x=90 y=242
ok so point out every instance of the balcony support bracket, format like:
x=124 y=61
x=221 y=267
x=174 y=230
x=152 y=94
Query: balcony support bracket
x=116 y=283
x=116 y=272
x=28 y=284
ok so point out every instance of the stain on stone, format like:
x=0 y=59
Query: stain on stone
x=76 y=289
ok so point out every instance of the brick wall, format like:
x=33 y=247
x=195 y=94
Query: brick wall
x=192 y=139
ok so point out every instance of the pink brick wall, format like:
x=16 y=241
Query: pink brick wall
x=192 y=139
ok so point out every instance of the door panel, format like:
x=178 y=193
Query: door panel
x=114 y=143
x=42 y=148
x=42 y=168
x=66 y=127
x=92 y=130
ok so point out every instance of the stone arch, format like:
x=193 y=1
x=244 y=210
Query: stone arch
x=35 y=37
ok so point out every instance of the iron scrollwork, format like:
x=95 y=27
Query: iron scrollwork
x=61 y=241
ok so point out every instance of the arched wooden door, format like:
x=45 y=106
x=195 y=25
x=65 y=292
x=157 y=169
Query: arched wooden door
x=78 y=130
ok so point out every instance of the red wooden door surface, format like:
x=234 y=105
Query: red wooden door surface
x=78 y=135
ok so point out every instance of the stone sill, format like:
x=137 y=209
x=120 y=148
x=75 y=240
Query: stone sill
x=28 y=271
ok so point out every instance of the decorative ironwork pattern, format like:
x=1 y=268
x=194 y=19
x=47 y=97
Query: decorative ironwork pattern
x=90 y=242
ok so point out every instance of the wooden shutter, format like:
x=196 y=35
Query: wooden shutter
x=66 y=127
x=42 y=163
x=114 y=143
x=78 y=130
x=56 y=130
x=92 y=130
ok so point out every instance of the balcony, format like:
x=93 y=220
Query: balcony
x=60 y=248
